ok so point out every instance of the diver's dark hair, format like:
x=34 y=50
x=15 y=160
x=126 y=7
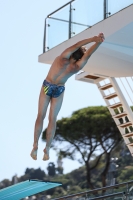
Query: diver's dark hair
x=77 y=55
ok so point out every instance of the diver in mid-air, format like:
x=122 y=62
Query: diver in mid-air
x=71 y=60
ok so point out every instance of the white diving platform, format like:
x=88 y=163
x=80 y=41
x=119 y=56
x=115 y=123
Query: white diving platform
x=114 y=58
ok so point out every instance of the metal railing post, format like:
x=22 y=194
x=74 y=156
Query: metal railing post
x=44 y=39
x=70 y=21
x=105 y=9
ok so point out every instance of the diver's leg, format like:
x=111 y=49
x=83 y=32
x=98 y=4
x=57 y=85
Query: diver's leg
x=54 y=110
x=42 y=108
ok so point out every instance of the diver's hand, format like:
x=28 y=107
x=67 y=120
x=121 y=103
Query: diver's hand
x=99 y=39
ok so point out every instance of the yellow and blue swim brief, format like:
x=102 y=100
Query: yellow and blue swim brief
x=52 y=90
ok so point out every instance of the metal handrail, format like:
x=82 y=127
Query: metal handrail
x=63 y=20
x=60 y=7
x=105 y=15
x=109 y=195
x=95 y=190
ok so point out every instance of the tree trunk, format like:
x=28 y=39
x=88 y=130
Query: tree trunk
x=90 y=184
x=105 y=171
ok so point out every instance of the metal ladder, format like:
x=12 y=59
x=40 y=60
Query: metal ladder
x=120 y=110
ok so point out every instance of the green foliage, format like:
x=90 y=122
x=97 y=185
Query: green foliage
x=126 y=174
x=5 y=183
x=87 y=122
x=31 y=173
x=87 y=131
x=72 y=183
x=75 y=189
x=78 y=177
x=59 y=191
x=84 y=129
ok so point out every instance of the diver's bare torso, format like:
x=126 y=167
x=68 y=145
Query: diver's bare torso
x=61 y=70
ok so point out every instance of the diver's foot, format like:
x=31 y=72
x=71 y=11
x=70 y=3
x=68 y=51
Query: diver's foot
x=46 y=154
x=34 y=153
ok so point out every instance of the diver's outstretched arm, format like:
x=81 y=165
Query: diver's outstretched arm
x=67 y=53
x=81 y=63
